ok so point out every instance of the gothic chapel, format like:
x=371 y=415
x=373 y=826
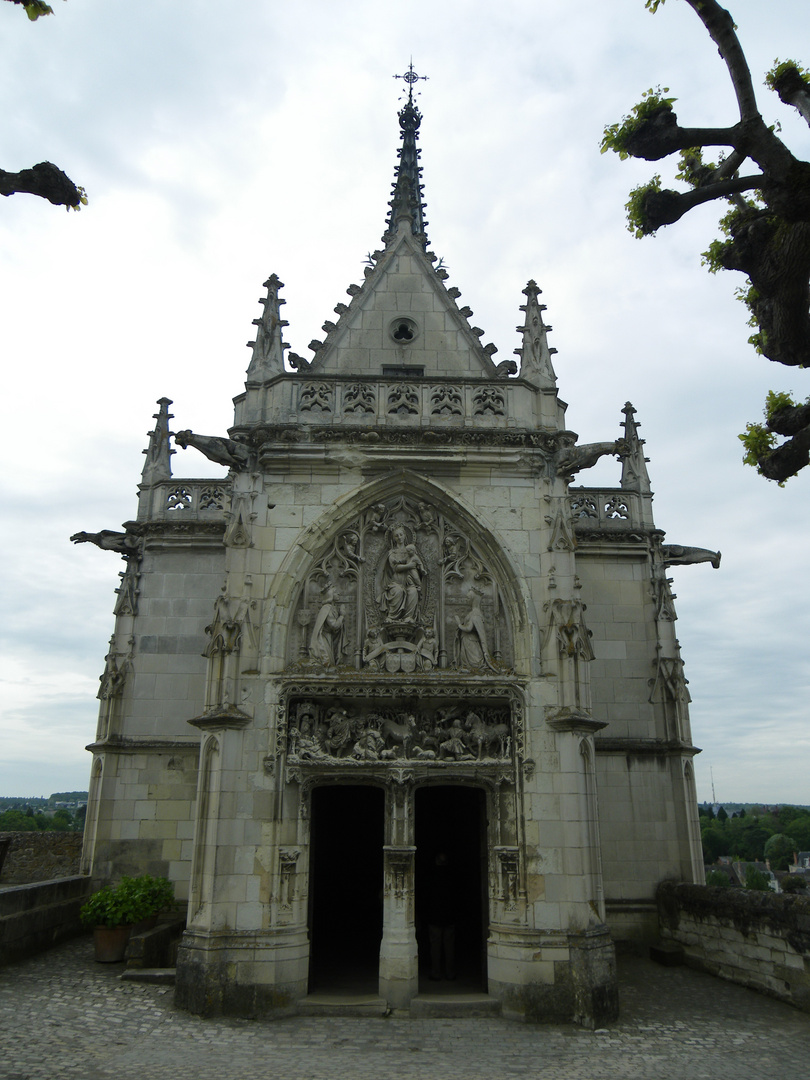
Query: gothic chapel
x=397 y=644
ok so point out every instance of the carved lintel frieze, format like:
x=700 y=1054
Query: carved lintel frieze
x=323 y=731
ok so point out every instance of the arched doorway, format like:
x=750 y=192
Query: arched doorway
x=451 y=834
x=345 y=888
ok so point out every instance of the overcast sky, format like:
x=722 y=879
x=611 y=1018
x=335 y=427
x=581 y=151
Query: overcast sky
x=219 y=143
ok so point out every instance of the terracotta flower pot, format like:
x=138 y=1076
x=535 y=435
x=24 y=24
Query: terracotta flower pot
x=110 y=943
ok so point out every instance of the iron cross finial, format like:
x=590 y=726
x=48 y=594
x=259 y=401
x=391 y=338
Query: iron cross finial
x=410 y=77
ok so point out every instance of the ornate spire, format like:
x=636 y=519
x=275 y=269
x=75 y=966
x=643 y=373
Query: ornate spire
x=268 y=348
x=634 y=464
x=407 y=189
x=158 y=465
x=535 y=355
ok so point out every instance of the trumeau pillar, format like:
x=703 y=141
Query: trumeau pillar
x=399 y=964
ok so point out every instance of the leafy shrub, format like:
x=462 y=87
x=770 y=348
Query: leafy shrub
x=718 y=880
x=131 y=901
x=793 y=883
x=757 y=880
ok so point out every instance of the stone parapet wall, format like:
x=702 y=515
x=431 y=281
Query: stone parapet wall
x=40 y=856
x=37 y=916
x=757 y=939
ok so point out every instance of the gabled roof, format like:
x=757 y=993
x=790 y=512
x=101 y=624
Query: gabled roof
x=403 y=318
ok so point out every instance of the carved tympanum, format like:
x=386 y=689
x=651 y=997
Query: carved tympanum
x=401 y=589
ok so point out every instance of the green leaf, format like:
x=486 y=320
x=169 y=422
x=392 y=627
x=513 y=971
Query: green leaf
x=616 y=136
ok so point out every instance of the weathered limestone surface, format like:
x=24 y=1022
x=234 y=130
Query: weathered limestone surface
x=37 y=916
x=761 y=940
x=40 y=856
x=395 y=634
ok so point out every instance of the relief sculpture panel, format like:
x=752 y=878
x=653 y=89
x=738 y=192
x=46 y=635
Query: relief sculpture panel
x=321 y=732
x=401 y=590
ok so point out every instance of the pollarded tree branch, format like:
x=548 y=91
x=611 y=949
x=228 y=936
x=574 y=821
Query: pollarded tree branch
x=44 y=180
x=721 y=29
x=792 y=88
x=660 y=135
x=788 y=459
x=667 y=206
x=790 y=420
x=766 y=237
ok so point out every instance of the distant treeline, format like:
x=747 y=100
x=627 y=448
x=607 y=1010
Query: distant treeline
x=751 y=835
x=37 y=814
x=39 y=802
x=31 y=820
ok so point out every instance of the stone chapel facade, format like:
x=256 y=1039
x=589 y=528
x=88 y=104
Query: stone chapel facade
x=395 y=630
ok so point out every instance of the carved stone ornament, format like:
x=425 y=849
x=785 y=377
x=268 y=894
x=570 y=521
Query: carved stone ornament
x=128 y=591
x=567 y=625
x=401 y=589
x=287 y=858
x=116 y=668
x=677 y=555
x=384 y=732
x=508 y=857
x=669 y=683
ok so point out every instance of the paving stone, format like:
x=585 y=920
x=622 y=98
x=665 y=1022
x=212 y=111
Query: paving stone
x=62 y=1015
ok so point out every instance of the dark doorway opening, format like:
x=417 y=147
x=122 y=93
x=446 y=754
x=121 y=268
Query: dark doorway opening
x=345 y=889
x=451 y=823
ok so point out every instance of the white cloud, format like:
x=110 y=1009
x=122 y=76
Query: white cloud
x=219 y=145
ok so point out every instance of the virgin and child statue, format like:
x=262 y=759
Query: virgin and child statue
x=399 y=579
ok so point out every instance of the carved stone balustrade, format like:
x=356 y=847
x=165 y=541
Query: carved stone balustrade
x=605 y=509
x=179 y=500
x=371 y=402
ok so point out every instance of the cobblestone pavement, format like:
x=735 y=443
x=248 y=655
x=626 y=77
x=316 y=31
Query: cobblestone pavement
x=62 y=1016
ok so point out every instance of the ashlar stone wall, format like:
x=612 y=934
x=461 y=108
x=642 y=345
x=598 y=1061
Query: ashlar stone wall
x=757 y=939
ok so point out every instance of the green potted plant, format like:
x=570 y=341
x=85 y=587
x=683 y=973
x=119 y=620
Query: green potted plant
x=112 y=913
x=151 y=894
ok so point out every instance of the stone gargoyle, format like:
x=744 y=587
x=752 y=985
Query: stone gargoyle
x=572 y=459
x=676 y=555
x=109 y=540
x=223 y=451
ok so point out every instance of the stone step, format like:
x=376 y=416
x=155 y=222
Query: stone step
x=667 y=953
x=160 y=976
x=453 y=1006
x=342 y=1005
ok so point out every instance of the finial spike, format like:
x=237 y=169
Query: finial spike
x=406 y=203
x=535 y=354
x=268 y=348
x=634 y=465
x=158 y=465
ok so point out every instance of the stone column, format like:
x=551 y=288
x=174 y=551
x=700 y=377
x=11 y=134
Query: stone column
x=399 y=962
